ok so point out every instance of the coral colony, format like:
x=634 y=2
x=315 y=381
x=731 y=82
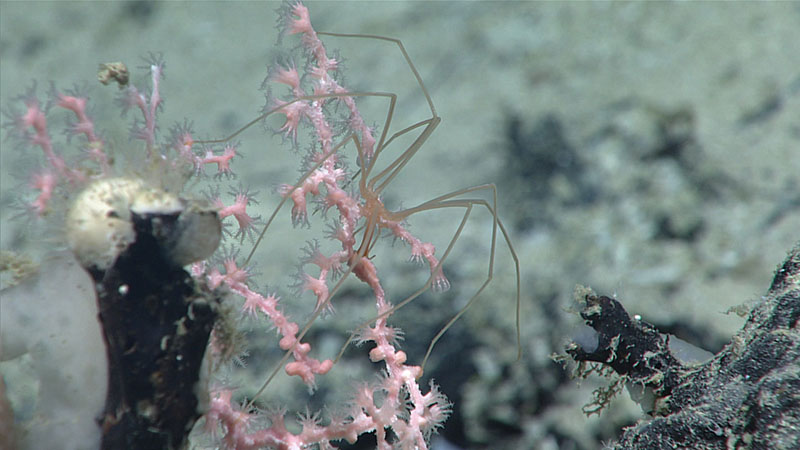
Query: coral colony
x=135 y=229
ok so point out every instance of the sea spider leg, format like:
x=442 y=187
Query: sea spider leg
x=450 y=200
x=445 y=201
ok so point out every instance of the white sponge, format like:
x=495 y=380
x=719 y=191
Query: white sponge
x=52 y=318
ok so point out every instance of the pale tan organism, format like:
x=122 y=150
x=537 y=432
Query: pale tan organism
x=99 y=226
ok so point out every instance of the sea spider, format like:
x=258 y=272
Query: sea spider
x=373 y=216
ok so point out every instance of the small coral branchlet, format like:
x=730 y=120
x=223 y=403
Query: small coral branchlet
x=31 y=127
x=238 y=210
x=235 y=279
x=45 y=183
x=222 y=161
x=85 y=126
x=148 y=105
